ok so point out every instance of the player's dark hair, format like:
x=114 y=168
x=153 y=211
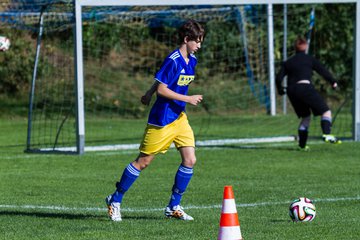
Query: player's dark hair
x=191 y=29
x=300 y=44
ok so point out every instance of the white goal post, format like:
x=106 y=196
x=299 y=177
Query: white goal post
x=79 y=75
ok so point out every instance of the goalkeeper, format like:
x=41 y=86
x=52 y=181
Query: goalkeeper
x=167 y=123
x=302 y=94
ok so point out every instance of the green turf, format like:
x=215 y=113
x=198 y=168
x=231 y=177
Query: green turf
x=52 y=196
x=212 y=127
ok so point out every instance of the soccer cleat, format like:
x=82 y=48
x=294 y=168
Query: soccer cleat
x=331 y=139
x=113 y=209
x=178 y=213
x=304 y=149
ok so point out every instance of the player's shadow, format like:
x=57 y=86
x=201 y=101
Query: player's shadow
x=72 y=216
x=49 y=215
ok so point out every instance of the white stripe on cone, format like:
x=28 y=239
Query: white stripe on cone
x=230 y=233
x=229 y=206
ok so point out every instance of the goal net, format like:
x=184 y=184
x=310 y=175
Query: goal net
x=123 y=46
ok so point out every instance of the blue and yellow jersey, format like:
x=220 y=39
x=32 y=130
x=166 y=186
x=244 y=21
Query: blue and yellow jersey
x=177 y=75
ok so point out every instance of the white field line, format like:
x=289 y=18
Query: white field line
x=94 y=209
x=205 y=143
x=128 y=149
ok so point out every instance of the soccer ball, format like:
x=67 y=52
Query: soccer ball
x=4 y=43
x=302 y=210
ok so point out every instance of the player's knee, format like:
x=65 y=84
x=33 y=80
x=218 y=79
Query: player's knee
x=189 y=162
x=143 y=162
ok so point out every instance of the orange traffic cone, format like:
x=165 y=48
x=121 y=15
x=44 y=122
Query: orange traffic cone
x=229 y=221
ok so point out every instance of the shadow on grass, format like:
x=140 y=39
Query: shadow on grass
x=73 y=216
x=49 y=215
x=281 y=221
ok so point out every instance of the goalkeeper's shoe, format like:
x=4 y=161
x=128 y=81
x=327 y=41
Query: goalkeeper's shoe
x=178 y=213
x=113 y=209
x=304 y=149
x=331 y=139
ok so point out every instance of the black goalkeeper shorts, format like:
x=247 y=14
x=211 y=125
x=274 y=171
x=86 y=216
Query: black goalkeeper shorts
x=305 y=99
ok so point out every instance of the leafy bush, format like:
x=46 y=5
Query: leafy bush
x=17 y=64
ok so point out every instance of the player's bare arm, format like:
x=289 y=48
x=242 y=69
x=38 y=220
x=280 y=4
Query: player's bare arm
x=146 y=99
x=164 y=91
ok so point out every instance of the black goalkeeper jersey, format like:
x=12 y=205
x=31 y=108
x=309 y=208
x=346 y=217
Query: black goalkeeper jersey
x=301 y=67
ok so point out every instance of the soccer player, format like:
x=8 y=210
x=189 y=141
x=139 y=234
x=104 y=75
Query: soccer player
x=167 y=122
x=302 y=94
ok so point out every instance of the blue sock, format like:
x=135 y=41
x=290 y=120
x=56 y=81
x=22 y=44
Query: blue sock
x=182 y=179
x=129 y=176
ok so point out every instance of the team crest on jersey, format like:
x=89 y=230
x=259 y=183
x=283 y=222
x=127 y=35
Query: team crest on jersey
x=185 y=80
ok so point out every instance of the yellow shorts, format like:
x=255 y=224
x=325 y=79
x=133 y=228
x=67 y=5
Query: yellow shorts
x=158 y=139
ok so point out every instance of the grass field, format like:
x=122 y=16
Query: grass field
x=62 y=196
